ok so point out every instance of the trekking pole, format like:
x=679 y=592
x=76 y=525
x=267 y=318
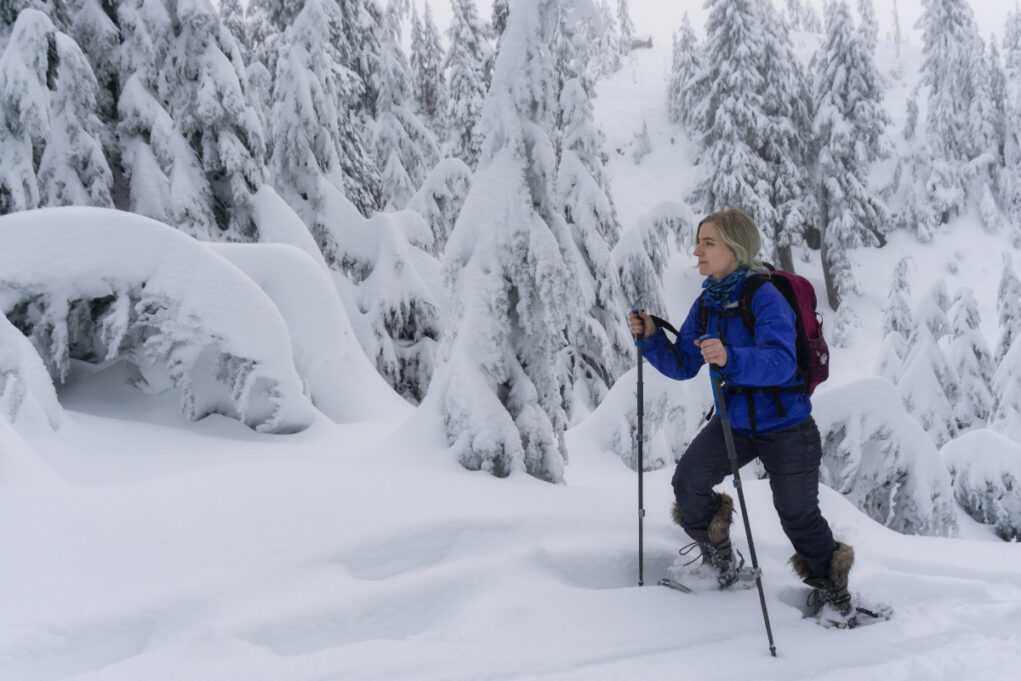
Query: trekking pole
x=641 y=463
x=728 y=437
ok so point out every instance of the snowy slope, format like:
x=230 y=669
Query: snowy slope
x=139 y=545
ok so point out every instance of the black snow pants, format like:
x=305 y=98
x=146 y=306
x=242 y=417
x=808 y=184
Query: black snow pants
x=791 y=457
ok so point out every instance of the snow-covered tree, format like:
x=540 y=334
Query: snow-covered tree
x=112 y=285
x=1008 y=305
x=600 y=348
x=232 y=14
x=687 y=61
x=266 y=21
x=405 y=148
x=1006 y=418
x=429 y=80
x=986 y=470
x=25 y=385
x=499 y=386
x=625 y=25
x=203 y=85
x=95 y=28
x=848 y=123
x=929 y=386
x=802 y=17
x=971 y=360
x=730 y=119
x=360 y=50
x=881 y=459
x=1010 y=176
x=313 y=132
x=890 y=358
x=643 y=253
x=952 y=69
x=787 y=104
x=932 y=310
x=605 y=42
x=440 y=198
x=465 y=67
x=501 y=9
x=27 y=70
x=897 y=317
x=869 y=25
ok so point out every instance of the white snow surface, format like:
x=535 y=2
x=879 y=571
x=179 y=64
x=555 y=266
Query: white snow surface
x=138 y=545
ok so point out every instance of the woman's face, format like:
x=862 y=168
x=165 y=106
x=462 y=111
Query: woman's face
x=714 y=257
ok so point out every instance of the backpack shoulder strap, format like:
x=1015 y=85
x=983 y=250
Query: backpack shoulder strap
x=748 y=289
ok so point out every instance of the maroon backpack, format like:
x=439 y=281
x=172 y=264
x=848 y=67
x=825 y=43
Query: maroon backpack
x=813 y=353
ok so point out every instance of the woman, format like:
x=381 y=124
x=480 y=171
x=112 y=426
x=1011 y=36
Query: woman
x=773 y=425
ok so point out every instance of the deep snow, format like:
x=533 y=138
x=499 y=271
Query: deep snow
x=139 y=545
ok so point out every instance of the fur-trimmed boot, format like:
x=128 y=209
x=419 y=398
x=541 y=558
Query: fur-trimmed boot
x=829 y=589
x=714 y=542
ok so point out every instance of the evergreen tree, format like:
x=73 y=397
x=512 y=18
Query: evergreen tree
x=869 y=26
x=232 y=14
x=1008 y=305
x=848 y=122
x=465 y=66
x=1006 y=418
x=687 y=62
x=929 y=386
x=202 y=82
x=599 y=348
x=266 y=21
x=405 y=149
x=952 y=70
x=28 y=68
x=311 y=130
x=897 y=317
x=430 y=86
x=73 y=170
x=1010 y=177
x=787 y=104
x=625 y=25
x=499 y=387
x=730 y=118
x=972 y=362
x=605 y=42
x=501 y=9
x=932 y=310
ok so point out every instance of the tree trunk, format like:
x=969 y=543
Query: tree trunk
x=831 y=288
x=786 y=259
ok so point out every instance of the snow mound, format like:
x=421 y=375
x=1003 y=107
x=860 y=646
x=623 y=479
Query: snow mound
x=882 y=460
x=986 y=470
x=96 y=284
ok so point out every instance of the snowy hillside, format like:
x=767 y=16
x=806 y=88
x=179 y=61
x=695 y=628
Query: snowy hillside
x=226 y=458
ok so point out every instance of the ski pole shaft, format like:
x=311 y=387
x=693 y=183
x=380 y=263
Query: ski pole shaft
x=641 y=465
x=728 y=438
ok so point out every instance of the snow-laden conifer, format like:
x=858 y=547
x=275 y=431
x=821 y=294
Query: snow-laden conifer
x=890 y=359
x=440 y=198
x=85 y=299
x=94 y=26
x=25 y=385
x=787 y=105
x=501 y=10
x=1010 y=177
x=499 y=385
x=605 y=41
x=232 y=14
x=730 y=119
x=465 y=68
x=971 y=360
x=932 y=309
x=625 y=26
x=929 y=386
x=73 y=169
x=1006 y=418
x=1008 y=305
x=687 y=62
x=429 y=80
x=405 y=148
x=848 y=122
x=868 y=25
x=897 y=315
x=643 y=253
x=599 y=348
x=881 y=459
x=986 y=470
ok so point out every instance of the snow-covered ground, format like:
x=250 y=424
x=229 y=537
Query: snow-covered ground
x=135 y=544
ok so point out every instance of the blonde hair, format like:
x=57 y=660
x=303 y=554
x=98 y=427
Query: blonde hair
x=739 y=233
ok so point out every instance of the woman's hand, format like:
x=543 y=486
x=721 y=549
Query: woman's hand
x=641 y=324
x=713 y=351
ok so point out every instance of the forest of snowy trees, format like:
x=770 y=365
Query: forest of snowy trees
x=456 y=193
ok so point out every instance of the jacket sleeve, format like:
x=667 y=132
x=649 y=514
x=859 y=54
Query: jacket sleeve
x=656 y=349
x=772 y=360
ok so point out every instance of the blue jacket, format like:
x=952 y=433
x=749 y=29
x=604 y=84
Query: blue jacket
x=767 y=358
